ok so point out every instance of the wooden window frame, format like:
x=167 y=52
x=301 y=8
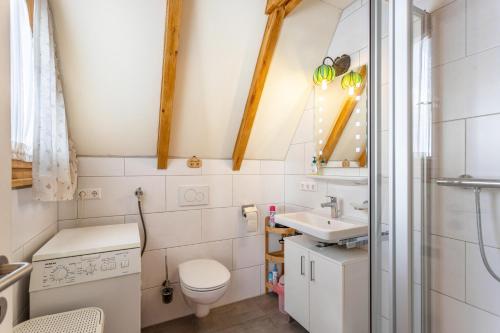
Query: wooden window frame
x=22 y=175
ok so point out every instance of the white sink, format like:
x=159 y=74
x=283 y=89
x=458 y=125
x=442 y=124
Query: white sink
x=327 y=229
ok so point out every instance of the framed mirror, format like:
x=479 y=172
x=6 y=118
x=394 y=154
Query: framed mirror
x=340 y=121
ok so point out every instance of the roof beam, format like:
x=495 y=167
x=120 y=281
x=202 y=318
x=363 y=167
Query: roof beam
x=170 y=51
x=344 y=115
x=269 y=41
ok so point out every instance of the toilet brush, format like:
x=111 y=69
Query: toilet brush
x=167 y=292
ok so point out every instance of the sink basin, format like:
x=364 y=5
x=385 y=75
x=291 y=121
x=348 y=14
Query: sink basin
x=328 y=229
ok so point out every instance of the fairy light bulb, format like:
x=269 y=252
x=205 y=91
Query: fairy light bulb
x=320 y=152
x=358 y=110
x=351 y=91
x=357 y=124
x=320 y=142
x=358 y=98
x=358 y=149
x=357 y=136
x=320 y=131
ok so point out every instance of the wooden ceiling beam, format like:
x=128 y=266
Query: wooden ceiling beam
x=290 y=6
x=341 y=122
x=170 y=52
x=268 y=45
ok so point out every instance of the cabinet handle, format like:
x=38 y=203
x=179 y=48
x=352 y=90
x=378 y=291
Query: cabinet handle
x=313 y=278
x=302 y=265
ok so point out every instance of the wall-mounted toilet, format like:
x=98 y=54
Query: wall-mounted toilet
x=203 y=282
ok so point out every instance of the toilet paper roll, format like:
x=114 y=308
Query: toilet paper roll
x=251 y=215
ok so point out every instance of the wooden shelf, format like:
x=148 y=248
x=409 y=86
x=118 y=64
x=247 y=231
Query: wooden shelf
x=269 y=286
x=280 y=231
x=277 y=257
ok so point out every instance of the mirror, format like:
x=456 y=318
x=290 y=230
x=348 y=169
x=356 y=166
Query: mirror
x=340 y=123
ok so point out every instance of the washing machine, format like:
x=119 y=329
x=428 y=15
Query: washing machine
x=90 y=267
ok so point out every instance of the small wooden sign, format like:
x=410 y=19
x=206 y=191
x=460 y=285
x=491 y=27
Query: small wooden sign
x=346 y=163
x=194 y=162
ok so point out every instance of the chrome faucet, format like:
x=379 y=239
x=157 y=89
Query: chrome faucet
x=334 y=205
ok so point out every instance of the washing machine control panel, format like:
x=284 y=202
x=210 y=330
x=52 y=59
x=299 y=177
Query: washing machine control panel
x=72 y=270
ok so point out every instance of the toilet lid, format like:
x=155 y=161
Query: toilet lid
x=203 y=274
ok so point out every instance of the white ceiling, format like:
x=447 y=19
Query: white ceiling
x=111 y=59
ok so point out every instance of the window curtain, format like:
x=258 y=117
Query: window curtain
x=422 y=86
x=21 y=76
x=54 y=158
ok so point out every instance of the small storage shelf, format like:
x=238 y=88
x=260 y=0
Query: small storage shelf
x=276 y=257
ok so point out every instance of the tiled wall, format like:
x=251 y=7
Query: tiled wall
x=32 y=224
x=182 y=233
x=466 y=59
x=350 y=38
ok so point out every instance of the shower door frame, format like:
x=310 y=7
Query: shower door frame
x=400 y=164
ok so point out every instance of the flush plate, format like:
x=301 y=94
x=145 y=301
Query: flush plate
x=193 y=195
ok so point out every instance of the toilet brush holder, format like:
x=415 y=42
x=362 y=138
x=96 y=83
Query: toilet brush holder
x=167 y=293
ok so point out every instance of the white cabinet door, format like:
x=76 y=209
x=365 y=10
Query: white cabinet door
x=297 y=283
x=325 y=295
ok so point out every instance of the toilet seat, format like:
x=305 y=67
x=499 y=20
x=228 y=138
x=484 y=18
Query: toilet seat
x=203 y=275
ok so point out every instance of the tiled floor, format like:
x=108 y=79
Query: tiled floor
x=254 y=315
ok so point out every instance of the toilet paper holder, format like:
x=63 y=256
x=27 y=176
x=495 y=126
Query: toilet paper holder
x=247 y=206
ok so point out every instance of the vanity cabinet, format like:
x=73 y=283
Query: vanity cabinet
x=326 y=289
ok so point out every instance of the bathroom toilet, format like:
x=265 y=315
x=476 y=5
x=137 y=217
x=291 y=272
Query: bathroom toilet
x=203 y=282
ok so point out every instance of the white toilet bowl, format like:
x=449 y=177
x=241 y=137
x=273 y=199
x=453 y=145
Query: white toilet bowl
x=203 y=282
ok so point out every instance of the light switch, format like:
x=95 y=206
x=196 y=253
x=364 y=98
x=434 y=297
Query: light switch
x=193 y=195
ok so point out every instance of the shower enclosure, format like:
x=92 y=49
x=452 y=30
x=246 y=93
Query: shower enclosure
x=434 y=123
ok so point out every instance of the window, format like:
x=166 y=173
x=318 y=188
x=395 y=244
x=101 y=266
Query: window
x=22 y=88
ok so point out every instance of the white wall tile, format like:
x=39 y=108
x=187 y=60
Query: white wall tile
x=248 y=251
x=272 y=167
x=118 y=195
x=304 y=131
x=257 y=189
x=302 y=198
x=309 y=153
x=294 y=163
x=245 y=283
x=460 y=89
x=90 y=222
x=29 y=217
x=355 y=5
x=448 y=158
x=483 y=135
x=222 y=251
x=67 y=210
x=483 y=30
x=448 y=33
x=225 y=167
x=170 y=229
x=482 y=288
x=147 y=166
x=450 y=315
x=351 y=34
x=154 y=311
x=153 y=272
x=448 y=266
x=220 y=190
x=222 y=223
x=100 y=166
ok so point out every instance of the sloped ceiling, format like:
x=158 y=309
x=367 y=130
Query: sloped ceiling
x=111 y=59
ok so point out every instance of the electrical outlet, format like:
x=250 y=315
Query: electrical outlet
x=308 y=186
x=90 y=194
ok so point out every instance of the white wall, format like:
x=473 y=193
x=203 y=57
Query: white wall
x=111 y=60
x=33 y=223
x=181 y=233
x=351 y=37
x=5 y=152
x=466 y=57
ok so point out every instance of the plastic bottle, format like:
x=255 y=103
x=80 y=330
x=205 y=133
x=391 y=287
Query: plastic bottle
x=275 y=274
x=272 y=214
x=270 y=277
x=314 y=166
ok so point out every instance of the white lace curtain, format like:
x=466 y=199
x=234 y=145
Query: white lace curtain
x=54 y=159
x=21 y=78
